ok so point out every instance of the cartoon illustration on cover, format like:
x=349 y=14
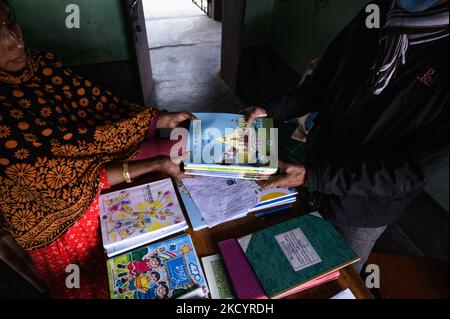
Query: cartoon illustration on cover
x=160 y=271
x=135 y=211
x=235 y=139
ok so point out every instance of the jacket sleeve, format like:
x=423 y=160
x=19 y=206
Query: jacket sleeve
x=398 y=173
x=298 y=101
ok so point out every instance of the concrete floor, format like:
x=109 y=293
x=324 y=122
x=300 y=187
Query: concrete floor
x=185 y=49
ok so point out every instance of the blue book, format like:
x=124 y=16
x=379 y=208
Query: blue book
x=166 y=270
x=195 y=216
x=218 y=144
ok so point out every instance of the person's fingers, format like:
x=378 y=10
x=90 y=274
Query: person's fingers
x=177 y=160
x=282 y=165
x=184 y=175
x=190 y=116
x=278 y=181
x=257 y=113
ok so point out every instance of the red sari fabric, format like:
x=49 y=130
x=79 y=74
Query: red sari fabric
x=82 y=244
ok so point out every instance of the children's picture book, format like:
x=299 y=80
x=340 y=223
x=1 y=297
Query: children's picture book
x=165 y=270
x=138 y=215
x=219 y=282
x=226 y=145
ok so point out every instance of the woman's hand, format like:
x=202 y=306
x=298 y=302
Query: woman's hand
x=253 y=112
x=19 y=260
x=291 y=175
x=172 y=166
x=173 y=120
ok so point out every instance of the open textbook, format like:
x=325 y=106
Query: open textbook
x=220 y=200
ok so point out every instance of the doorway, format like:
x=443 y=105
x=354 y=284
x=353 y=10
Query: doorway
x=185 y=51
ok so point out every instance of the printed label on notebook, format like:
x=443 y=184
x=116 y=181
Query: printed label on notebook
x=297 y=249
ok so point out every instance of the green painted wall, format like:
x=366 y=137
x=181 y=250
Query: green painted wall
x=300 y=32
x=258 y=21
x=101 y=37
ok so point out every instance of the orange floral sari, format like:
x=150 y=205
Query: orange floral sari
x=56 y=131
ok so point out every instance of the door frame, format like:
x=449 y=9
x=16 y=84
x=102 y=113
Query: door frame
x=233 y=19
x=133 y=11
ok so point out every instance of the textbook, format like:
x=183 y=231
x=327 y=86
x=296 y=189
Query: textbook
x=244 y=280
x=307 y=250
x=165 y=270
x=220 y=200
x=225 y=145
x=195 y=216
x=139 y=215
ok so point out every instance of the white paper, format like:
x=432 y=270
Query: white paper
x=297 y=249
x=345 y=294
x=221 y=199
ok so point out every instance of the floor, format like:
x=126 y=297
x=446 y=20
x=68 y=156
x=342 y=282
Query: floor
x=185 y=48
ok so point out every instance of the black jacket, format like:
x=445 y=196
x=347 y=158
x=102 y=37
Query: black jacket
x=368 y=156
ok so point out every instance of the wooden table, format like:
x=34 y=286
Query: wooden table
x=206 y=244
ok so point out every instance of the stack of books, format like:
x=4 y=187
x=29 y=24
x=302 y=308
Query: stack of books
x=225 y=145
x=211 y=201
x=132 y=220
x=281 y=260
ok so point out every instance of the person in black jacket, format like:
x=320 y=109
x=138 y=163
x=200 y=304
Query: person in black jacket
x=382 y=129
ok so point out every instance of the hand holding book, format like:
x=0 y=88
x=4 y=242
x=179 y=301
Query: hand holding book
x=163 y=164
x=253 y=112
x=291 y=175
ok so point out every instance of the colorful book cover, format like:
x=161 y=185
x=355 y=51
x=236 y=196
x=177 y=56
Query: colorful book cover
x=195 y=216
x=164 y=270
x=273 y=196
x=135 y=216
x=222 y=131
x=295 y=252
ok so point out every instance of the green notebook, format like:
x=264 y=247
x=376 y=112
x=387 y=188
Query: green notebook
x=295 y=252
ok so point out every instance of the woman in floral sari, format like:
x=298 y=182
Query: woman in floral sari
x=62 y=140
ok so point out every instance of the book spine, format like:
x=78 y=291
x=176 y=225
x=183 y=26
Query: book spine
x=243 y=279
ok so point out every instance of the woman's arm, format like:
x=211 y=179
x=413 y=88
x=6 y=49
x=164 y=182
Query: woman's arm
x=114 y=170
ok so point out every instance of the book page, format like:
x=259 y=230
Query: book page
x=220 y=199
